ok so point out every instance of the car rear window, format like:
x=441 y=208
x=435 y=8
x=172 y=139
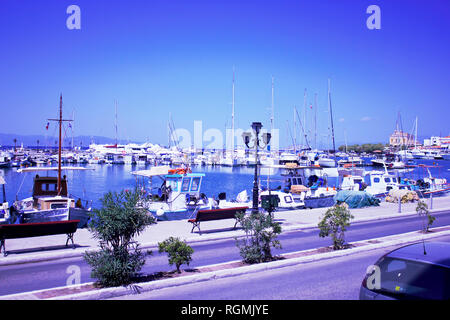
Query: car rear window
x=413 y=280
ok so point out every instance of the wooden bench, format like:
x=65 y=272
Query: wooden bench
x=28 y=230
x=215 y=214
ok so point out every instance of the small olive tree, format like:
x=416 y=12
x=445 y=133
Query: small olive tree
x=261 y=234
x=334 y=223
x=179 y=252
x=115 y=225
x=422 y=210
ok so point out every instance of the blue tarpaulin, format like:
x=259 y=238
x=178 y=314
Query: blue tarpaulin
x=356 y=199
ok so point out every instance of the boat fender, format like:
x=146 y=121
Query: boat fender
x=159 y=212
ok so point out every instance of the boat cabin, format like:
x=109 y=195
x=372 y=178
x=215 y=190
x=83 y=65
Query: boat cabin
x=189 y=183
x=47 y=186
x=45 y=193
x=379 y=183
x=351 y=182
x=51 y=203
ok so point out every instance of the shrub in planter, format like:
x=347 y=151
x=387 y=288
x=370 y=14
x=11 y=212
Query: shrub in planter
x=115 y=225
x=261 y=234
x=178 y=251
x=334 y=223
x=422 y=210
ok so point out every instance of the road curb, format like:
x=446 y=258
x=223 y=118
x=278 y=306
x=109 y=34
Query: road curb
x=108 y=293
x=41 y=257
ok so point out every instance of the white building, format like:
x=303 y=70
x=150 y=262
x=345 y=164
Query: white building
x=443 y=142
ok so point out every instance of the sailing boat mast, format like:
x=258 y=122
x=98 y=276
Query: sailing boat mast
x=315 y=121
x=304 y=115
x=60 y=121
x=271 y=117
x=331 y=118
x=232 y=122
x=115 y=122
x=415 y=137
x=73 y=118
x=295 y=132
x=59 y=147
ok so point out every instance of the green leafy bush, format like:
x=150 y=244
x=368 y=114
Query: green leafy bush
x=334 y=223
x=178 y=251
x=115 y=225
x=261 y=234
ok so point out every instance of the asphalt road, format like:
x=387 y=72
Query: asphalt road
x=44 y=275
x=330 y=279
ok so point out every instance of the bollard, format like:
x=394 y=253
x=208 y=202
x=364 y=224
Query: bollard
x=399 y=204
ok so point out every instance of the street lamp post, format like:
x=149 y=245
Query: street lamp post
x=256 y=126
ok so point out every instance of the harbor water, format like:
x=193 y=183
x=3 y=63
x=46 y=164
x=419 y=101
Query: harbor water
x=91 y=185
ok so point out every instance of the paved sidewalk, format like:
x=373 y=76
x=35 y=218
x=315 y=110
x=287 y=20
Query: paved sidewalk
x=52 y=247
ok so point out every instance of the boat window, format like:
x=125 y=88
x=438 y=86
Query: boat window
x=173 y=184
x=195 y=184
x=288 y=199
x=387 y=179
x=49 y=187
x=58 y=205
x=185 y=184
x=376 y=180
x=394 y=179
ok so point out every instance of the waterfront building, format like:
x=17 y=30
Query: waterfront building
x=400 y=138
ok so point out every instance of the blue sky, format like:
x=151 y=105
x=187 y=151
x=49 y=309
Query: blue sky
x=156 y=57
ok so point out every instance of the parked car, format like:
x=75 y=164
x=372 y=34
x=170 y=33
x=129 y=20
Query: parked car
x=416 y=271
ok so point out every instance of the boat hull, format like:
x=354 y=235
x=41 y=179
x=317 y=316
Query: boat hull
x=174 y=215
x=435 y=193
x=61 y=214
x=80 y=214
x=319 y=202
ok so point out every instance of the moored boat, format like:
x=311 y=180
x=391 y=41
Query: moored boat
x=50 y=200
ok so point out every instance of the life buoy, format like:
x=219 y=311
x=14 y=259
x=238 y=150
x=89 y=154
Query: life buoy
x=180 y=171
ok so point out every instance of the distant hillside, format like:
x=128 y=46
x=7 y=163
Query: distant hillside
x=32 y=140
